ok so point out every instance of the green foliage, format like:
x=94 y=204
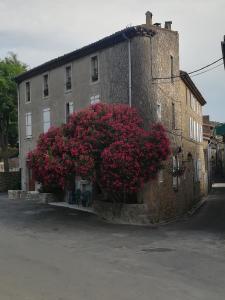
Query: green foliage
x=10 y=67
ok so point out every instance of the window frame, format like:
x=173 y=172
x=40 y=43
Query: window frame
x=67 y=90
x=159 y=111
x=67 y=111
x=28 y=126
x=173 y=116
x=46 y=122
x=27 y=82
x=43 y=86
x=91 y=69
x=172 y=68
x=95 y=99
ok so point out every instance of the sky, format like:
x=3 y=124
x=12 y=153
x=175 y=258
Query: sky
x=40 y=30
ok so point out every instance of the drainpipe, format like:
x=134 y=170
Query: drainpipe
x=19 y=130
x=129 y=68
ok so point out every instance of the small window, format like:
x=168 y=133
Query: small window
x=28 y=91
x=194 y=133
x=45 y=86
x=190 y=127
x=200 y=110
x=201 y=135
x=186 y=95
x=160 y=176
x=46 y=119
x=171 y=69
x=95 y=99
x=28 y=125
x=173 y=117
x=193 y=102
x=68 y=78
x=197 y=132
x=175 y=165
x=69 y=110
x=94 y=68
x=159 y=111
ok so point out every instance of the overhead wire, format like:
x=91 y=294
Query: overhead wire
x=195 y=71
x=177 y=78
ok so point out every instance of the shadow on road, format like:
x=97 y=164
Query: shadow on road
x=211 y=217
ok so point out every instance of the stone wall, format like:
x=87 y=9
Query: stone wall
x=122 y=213
x=9 y=181
x=34 y=196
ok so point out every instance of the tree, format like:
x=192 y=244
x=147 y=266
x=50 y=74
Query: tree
x=105 y=143
x=10 y=67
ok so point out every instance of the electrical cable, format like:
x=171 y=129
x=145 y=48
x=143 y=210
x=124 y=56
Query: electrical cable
x=178 y=76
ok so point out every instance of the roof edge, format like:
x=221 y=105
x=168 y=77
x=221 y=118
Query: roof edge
x=116 y=38
x=189 y=82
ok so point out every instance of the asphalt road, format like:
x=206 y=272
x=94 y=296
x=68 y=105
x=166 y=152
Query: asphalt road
x=51 y=253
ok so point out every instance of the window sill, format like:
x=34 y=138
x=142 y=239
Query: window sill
x=68 y=91
x=94 y=82
x=28 y=138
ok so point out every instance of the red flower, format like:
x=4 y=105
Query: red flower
x=105 y=142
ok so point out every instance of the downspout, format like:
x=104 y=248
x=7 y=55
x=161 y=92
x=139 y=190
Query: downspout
x=19 y=133
x=129 y=70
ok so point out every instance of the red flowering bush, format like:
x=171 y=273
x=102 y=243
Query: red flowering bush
x=49 y=161
x=105 y=143
x=127 y=165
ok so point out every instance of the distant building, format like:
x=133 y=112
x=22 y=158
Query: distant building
x=138 y=66
x=214 y=149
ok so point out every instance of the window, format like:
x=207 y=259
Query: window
x=95 y=99
x=175 y=164
x=46 y=119
x=192 y=102
x=173 y=117
x=28 y=125
x=199 y=109
x=159 y=111
x=160 y=176
x=190 y=127
x=45 y=86
x=94 y=68
x=201 y=135
x=186 y=95
x=194 y=130
x=69 y=110
x=68 y=78
x=171 y=68
x=28 y=91
x=197 y=132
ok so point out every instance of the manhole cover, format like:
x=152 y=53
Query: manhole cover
x=159 y=249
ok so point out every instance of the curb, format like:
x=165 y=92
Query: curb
x=197 y=207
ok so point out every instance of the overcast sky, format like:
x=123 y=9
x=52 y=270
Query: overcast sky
x=39 y=30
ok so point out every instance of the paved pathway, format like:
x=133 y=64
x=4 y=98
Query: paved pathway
x=56 y=254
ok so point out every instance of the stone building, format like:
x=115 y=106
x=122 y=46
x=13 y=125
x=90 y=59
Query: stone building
x=214 y=148
x=138 y=66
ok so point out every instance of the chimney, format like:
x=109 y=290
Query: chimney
x=148 y=18
x=157 y=24
x=168 y=25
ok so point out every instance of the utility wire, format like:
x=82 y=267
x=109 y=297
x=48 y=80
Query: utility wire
x=208 y=70
x=209 y=65
x=178 y=76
